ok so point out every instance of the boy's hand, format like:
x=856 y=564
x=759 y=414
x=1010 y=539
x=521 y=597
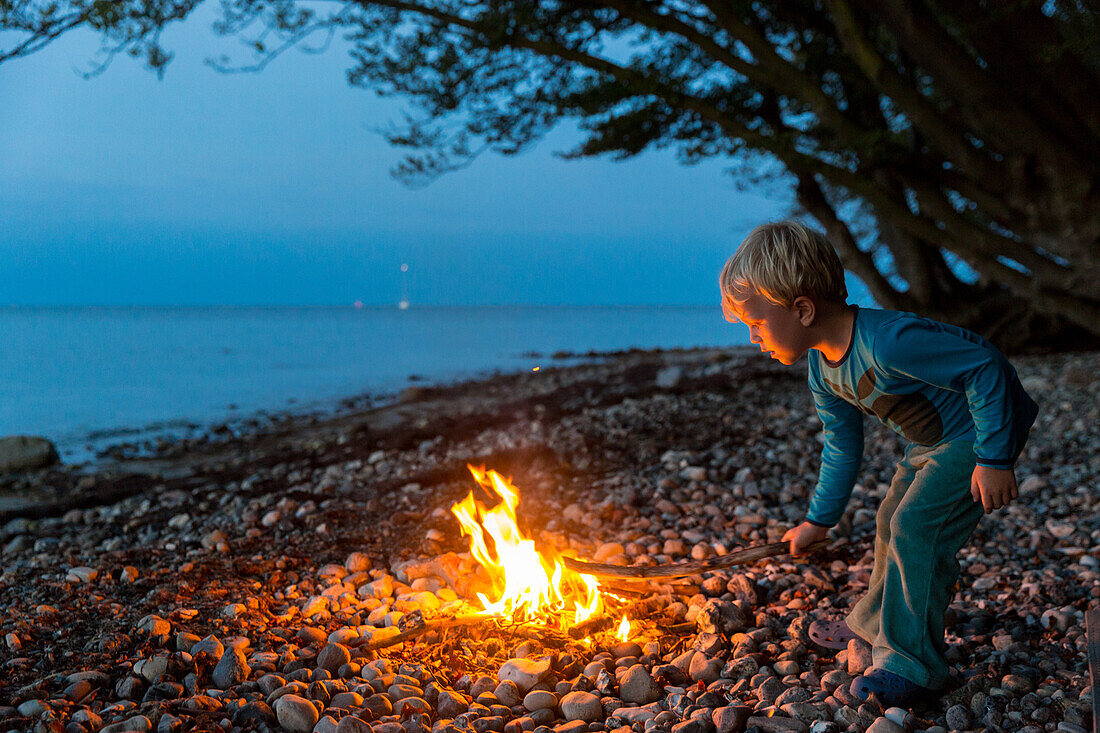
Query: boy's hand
x=803 y=536
x=993 y=487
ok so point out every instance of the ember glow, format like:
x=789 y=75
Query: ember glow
x=526 y=585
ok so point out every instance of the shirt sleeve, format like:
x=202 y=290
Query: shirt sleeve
x=943 y=357
x=841 y=456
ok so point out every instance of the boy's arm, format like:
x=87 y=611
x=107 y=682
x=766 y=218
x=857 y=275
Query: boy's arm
x=1002 y=412
x=840 y=457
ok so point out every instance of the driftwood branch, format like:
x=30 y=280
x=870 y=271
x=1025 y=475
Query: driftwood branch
x=684 y=569
x=412 y=633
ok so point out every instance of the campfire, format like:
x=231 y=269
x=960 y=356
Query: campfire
x=526 y=585
x=538 y=593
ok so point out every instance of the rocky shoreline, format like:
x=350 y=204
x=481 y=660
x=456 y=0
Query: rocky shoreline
x=245 y=583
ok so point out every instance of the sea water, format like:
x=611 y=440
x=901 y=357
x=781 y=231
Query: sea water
x=89 y=377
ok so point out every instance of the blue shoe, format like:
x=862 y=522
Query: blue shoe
x=891 y=690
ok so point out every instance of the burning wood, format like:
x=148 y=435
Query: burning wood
x=564 y=592
x=526 y=586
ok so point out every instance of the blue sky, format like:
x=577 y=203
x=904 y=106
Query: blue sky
x=272 y=188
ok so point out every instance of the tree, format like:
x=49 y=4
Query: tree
x=949 y=149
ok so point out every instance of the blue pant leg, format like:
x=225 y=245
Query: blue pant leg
x=864 y=616
x=930 y=524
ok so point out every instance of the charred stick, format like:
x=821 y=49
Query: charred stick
x=591 y=626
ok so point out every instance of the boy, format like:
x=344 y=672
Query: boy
x=949 y=392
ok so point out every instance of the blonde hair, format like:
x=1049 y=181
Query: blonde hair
x=780 y=262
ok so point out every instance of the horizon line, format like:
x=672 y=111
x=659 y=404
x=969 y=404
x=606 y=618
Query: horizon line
x=362 y=305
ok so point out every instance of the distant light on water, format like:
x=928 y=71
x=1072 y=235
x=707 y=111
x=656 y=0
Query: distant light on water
x=403 y=304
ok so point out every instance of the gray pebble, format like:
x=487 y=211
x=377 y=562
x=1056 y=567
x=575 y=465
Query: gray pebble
x=777 y=723
x=540 y=700
x=296 y=714
x=731 y=718
x=232 y=669
x=859 y=657
x=332 y=657
x=638 y=686
x=130 y=725
x=958 y=717
x=885 y=725
x=696 y=724
x=582 y=706
x=508 y=693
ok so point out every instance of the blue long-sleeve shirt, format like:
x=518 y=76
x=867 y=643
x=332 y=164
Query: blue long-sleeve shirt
x=929 y=381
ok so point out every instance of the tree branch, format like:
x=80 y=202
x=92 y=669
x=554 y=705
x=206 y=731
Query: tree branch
x=860 y=263
x=994 y=111
x=40 y=38
x=916 y=107
x=1058 y=87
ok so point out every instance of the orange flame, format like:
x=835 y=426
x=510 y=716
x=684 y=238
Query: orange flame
x=526 y=586
x=623 y=634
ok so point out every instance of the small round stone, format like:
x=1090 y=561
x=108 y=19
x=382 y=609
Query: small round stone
x=582 y=706
x=540 y=700
x=296 y=714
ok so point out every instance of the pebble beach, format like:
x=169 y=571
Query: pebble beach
x=251 y=581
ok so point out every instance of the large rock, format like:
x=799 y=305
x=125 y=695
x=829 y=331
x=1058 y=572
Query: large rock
x=526 y=673
x=508 y=693
x=135 y=724
x=958 y=717
x=296 y=714
x=705 y=669
x=211 y=645
x=639 y=687
x=777 y=724
x=721 y=617
x=582 y=706
x=253 y=712
x=859 y=656
x=451 y=704
x=152 y=668
x=730 y=719
x=669 y=377
x=743 y=590
x=353 y=724
x=696 y=724
x=332 y=657
x=635 y=715
x=540 y=700
x=26 y=452
x=885 y=725
x=232 y=669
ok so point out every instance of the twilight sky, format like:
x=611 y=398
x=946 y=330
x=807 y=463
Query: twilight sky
x=272 y=188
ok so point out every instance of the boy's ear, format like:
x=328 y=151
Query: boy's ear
x=806 y=309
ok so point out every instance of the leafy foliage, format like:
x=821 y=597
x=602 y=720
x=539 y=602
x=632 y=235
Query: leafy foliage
x=929 y=138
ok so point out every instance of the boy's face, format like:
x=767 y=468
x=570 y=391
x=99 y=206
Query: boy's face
x=778 y=331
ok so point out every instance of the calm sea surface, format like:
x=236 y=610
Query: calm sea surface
x=88 y=377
